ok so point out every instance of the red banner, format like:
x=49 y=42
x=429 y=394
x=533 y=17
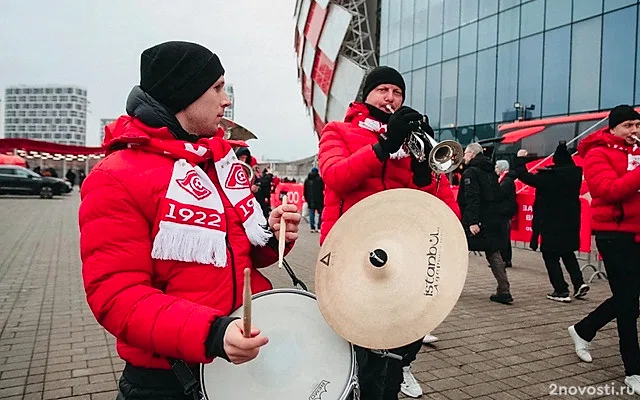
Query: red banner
x=295 y=195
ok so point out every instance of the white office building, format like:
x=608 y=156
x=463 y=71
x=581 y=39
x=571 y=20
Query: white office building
x=228 y=112
x=50 y=113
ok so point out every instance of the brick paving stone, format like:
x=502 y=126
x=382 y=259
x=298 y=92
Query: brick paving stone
x=52 y=348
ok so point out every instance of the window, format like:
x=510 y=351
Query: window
x=393 y=60
x=487 y=32
x=433 y=94
x=615 y=4
x=418 y=90
x=585 y=73
x=468 y=38
x=509 y=25
x=394 y=25
x=450 y=45
x=419 y=55
x=555 y=84
x=451 y=14
x=504 y=4
x=7 y=171
x=408 y=86
x=618 y=49
x=488 y=7
x=434 y=50
x=485 y=87
x=507 y=83
x=449 y=93
x=384 y=26
x=436 y=8
x=467 y=92
x=586 y=8
x=545 y=142
x=420 y=20
x=558 y=13
x=406 y=25
x=405 y=59
x=530 y=75
x=532 y=18
x=468 y=11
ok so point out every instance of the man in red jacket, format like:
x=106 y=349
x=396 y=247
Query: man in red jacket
x=167 y=226
x=611 y=159
x=364 y=155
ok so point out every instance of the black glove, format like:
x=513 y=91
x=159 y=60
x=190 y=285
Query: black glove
x=401 y=123
x=422 y=175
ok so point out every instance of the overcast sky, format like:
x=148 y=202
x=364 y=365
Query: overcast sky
x=97 y=45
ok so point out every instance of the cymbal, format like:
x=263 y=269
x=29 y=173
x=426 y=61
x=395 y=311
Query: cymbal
x=235 y=131
x=391 y=269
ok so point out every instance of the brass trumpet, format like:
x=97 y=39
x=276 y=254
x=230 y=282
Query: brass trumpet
x=443 y=157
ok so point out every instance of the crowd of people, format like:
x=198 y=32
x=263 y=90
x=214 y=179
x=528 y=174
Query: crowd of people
x=165 y=286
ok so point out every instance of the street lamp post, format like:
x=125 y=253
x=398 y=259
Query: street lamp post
x=521 y=110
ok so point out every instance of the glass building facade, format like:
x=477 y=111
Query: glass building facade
x=466 y=62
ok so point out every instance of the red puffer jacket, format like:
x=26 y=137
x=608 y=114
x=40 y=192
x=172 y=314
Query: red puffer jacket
x=154 y=308
x=351 y=170
x=613 y=180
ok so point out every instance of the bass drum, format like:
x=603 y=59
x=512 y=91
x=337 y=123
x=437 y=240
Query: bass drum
x=304 y=359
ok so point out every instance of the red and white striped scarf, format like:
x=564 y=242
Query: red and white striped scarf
x=192 y=224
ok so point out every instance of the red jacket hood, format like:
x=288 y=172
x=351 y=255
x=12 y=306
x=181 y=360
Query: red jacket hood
x=600 y=138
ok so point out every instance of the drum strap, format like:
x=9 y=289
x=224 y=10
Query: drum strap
x=187 y=379
x=273 y=243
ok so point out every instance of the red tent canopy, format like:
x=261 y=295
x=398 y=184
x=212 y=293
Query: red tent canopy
x=29 y=145
x=12 y=160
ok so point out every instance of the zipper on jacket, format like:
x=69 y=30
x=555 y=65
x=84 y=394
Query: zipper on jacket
x=233 y=274
x=340 y=209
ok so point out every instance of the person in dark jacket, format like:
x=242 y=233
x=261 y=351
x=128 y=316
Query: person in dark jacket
x=314 y=196
x=480 y=202
x=556 y=218
x=509 y=207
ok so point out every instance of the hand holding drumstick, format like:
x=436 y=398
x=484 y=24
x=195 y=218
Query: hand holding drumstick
x=242 y=342
x=289 y=214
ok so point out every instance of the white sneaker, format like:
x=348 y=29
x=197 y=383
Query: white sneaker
x=410 y=385
x=582 y=346
x=429 y=339
x=633 y=382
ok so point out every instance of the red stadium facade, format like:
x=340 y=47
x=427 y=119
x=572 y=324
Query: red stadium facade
x=336 y=44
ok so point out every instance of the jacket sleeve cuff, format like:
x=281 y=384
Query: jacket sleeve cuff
x=380 y=153
x=214 y=346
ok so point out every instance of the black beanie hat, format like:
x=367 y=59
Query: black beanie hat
x=561 y=156
x=382 y=75
x=177 y=73
x=620 y=114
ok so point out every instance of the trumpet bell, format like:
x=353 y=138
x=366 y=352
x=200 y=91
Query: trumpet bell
x=446 y=156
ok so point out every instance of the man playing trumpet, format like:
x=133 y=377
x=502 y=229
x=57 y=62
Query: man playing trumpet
x=362 y=156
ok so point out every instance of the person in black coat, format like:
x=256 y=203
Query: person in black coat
x=556 y=219
x=314 y=196
x=480 y=203
x=509 y=206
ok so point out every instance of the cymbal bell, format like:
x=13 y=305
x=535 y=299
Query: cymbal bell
x=391 y=269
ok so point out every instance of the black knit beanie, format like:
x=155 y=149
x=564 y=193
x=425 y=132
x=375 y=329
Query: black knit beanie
x=177 y=73
x=561 y=156
x=620 y=114
x=382 y=75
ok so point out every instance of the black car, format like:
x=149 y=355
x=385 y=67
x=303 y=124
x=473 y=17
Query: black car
x=22 y=181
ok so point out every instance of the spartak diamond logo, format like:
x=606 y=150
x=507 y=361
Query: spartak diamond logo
x=237 y=178
x=193 y=185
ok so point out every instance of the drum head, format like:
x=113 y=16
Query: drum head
x=304 y=359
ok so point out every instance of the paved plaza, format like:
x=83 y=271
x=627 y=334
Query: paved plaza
x=52 y=348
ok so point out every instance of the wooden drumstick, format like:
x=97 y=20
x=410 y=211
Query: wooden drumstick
x=282 y=238
x=246 y=317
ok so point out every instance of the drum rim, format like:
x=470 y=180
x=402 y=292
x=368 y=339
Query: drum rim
x=353 y=380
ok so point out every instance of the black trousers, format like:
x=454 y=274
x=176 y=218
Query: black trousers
x=380 y=377
x=621 y=257
x=146 y=384
x=506 y=252
x=552 y=262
